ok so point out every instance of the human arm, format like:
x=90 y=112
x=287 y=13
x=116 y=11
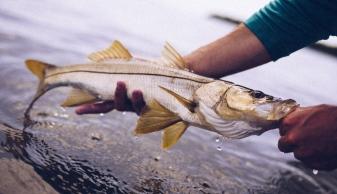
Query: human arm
x=235 y=52
x=275 y=31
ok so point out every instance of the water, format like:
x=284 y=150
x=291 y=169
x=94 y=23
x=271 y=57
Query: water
x=315 y=172
x=94 y=154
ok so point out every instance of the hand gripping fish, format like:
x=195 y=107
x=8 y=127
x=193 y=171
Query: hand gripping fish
x=176 y=98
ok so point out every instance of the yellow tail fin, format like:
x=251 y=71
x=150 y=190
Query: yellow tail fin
x=38 y=68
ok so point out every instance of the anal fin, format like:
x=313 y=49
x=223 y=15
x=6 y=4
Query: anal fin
x=172 y=134
x=78 y=97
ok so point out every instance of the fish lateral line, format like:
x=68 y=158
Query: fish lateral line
x=121 y=73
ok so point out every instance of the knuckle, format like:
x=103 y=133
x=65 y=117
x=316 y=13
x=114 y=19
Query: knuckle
x=283 y=130
x=292 y=138
x=120 y=107
x=287 y=122
x=285 y=146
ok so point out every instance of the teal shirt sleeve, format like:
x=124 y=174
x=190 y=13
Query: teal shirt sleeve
x=284 y=26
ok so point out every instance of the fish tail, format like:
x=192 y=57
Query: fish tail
x=39 y=69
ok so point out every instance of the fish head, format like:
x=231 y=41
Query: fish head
x=236 y=111
x=239 y=102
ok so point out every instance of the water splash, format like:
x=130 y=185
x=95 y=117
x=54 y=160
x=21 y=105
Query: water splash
x=219 y=142
x=63 y=109
x=101 y=114
x=64 y=116
x=314 y=171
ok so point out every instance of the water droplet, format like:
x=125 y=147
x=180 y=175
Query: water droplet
x=315 y=172
x=96 y=136
x=217 y=140
x=64 y=116
x=56 y=114
x=101 y=114
x=219 y=148
x=124 y=113
x=157 y=158
x=51 y=124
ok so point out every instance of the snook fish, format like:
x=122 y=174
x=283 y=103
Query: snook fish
x=176 y=98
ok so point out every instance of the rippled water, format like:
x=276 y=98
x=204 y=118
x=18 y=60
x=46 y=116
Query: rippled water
x=98 y=154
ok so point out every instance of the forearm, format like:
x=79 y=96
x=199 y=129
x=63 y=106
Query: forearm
x=238 y=51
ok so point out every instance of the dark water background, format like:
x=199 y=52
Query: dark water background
x=97 y=153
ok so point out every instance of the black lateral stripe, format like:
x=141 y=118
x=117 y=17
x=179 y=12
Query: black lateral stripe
x=121 y=73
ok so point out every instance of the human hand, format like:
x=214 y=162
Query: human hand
x=311 y=133
x=121 y=102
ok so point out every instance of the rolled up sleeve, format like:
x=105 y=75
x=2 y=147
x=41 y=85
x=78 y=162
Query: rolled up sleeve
x=284 y=26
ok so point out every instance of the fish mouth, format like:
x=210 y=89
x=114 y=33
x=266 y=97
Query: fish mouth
x=282 y=108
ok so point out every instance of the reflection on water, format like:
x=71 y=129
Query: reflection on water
x=98 y=154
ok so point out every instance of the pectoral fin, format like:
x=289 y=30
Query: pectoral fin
x=190 y=105
x=78 y=97
x=172 y=134
x=115 y=51
x=155 y=117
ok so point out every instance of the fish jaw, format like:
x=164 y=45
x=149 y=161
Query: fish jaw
x=281 y=109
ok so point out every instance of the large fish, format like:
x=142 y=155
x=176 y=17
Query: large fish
x=176 y=98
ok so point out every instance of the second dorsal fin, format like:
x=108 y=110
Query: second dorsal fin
x=115 y=51
x=172 y=58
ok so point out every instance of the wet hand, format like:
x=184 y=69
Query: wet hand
x=121 y=102
x=311 y=134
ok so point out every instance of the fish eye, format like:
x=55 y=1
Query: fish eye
x=257 y=94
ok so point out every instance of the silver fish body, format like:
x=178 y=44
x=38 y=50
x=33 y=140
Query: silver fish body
x=100 y=79
x=175 y=97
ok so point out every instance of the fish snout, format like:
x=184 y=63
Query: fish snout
x=283 y=108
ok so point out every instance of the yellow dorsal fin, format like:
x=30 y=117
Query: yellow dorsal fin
x=172 y=58
x=38 y=68
x=78 y=97
x=172 y=134
x=115 y=51
x=190 y=105
x=155 y=117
